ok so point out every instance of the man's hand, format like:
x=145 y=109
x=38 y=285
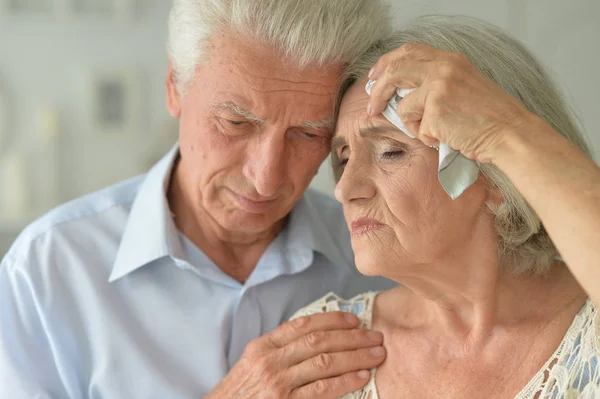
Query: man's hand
x=319 y=356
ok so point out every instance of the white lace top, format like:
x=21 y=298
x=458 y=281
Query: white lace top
x=572 y=372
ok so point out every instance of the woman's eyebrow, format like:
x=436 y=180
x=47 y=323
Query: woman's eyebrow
x=370 y=131
x=337 y=142
x=380 y=132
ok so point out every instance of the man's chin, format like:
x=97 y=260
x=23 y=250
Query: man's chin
x=248 y=223
x=252 y=206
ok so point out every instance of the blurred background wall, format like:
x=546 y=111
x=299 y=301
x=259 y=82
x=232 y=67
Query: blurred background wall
x=82 y=88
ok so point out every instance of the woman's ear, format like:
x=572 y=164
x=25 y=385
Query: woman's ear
x=495 y=198
x=174 y=99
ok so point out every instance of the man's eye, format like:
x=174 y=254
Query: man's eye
x=310 y=135
x=235 y=128
x=392 y=154
x=236 y=123
x=343 y=162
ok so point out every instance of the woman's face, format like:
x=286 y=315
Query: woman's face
x=399 y=215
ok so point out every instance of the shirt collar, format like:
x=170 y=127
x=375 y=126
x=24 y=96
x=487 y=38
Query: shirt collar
x=318 y=223
x=150 y=232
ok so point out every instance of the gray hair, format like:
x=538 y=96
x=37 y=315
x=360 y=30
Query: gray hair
x=524 y=243
x=306 y=31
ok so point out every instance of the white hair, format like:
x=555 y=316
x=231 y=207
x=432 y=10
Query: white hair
x=306 y=31
x=524 y=244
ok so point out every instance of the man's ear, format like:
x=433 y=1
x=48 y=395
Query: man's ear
x=173 y=96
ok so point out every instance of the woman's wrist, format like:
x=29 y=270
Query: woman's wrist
x=520 y=144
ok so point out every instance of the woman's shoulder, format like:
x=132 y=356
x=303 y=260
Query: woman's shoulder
x=573 y=369
x=360 y=305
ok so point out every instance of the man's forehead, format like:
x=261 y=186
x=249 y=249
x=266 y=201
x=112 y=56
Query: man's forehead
x=267 y=65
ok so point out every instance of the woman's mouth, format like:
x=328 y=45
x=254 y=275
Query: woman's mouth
x=364 y=225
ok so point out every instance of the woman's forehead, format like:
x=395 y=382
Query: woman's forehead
x=354 y=120
x=353 y=111
x=355 y=99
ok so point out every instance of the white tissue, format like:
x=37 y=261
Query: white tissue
x=455 y=172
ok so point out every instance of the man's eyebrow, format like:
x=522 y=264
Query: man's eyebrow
x=369 y=131
x=325 y=123
x=240 y=111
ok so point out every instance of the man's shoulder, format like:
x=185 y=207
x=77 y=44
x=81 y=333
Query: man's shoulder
x=100 y=210
x=325 y=213
x=323 y=216
x=323 y=202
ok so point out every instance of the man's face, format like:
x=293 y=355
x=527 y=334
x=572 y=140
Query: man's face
x=254 y=130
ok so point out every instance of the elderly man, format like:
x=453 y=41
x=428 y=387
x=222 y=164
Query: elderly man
x=174 y=284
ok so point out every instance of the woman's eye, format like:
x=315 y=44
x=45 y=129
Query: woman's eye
x=343 y=162
x=392 y=154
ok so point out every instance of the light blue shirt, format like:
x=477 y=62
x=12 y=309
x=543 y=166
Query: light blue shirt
x=104 y=298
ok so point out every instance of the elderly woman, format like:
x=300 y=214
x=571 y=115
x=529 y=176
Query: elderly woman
x=499 y=287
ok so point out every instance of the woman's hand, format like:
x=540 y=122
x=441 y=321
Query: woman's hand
x=454 y=103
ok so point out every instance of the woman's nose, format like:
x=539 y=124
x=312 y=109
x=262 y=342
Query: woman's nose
x=355 y=183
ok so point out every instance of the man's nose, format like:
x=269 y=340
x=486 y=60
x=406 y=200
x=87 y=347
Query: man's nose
x=265 y=166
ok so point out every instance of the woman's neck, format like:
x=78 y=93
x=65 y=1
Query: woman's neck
x=465 y=312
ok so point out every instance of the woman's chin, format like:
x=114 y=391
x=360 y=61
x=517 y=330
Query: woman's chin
x=367 y=263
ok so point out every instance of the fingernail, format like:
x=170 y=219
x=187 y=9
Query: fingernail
x=364 y=374
x=371 y=72
x=350 y=318
x=374 y=336
x=369 y=86
x=378 y=351
x=369 y=109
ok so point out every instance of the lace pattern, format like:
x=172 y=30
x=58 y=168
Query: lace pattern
x=572 y=372
x=362 y=306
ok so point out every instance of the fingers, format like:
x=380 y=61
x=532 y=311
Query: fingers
x=306 y=351
x=406 y=67
x=412 y=111
x=414 y=51
x=333 y=387
x=318 y=342
x=328 y=365
x=400 y=74
x=293 y=330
